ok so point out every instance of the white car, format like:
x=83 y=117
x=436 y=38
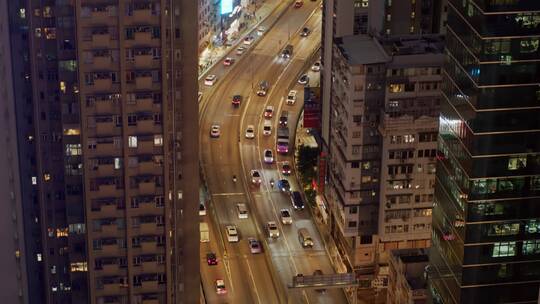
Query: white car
x=220 y=287
x=273 y=230
x=304 y=79
x=255 y=177
x=248 y=40
x=268 y=156
x=215 y=131
x=232 y=234
x=286 y=218
x=291 y=97
x=202 y=209
x=316 y=66
x=240 y=50
x=250 y=132
x=210 y=80
x=267 y=128
x=269 y=112
x=261 y=30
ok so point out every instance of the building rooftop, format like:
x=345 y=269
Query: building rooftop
x=361 y=49
x=413 y=263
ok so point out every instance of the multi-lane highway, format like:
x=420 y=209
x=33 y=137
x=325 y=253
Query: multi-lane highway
x=258 y=278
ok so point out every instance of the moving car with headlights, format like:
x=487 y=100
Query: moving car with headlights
x=255 y=177
x=268 y=112
x=210 y=80
x=211 y=259
x=285 y=168
x=240 y=50
x=254 y=246
x=220 y=287
x=305 y=238
x=232 y=234
x=297 y=201
x=286 y=218
x=287 y=51
x=250 y=132
x=284 y=185
x=202 y=209
x=316 y=66
x=263 y=88
x=305 y=32
x=291 y=97
x=248 y=40
x=268 y=156
x=242 y=211
x=273 y=230
x=237 y=100
x=304 y=79
x=215 y=131
x=228 y=61
x=261 y=30
x=283 y=119
x=267 y=128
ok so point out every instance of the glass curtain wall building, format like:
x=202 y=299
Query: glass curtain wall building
x=486 y=219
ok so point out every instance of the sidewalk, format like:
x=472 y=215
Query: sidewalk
x=212 y=54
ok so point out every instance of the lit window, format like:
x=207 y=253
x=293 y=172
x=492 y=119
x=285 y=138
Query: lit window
x=46 y=177
x=517 y=162
x=72 y=132
x=158 y=140
x=532 y=226
x=132 y=141
x=531 y=247
x=61 y=232
x=22 y=13
x=79 y=267
x=38 y=257
x=504 y=249
x=117 y=163
x=396 y=87
x=63 y=87
x=503 y=229
x=73 y=149
x=34 y=180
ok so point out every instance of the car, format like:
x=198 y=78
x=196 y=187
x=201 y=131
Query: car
x=261 y=30
x=304 y=79
x=268 y=156
x=263 y=88
x=273 y=230
x=284 y=119
x=267 y=128
x=287 y=51
x=228 y=61
x=240 y=50
x=202 y=209
x=250 y=132
x=269 y=112
x=298 y=3
x=254 y=246
x=237 y=100
x=317 y=273
x=255 y=177
x=305 y=32
x=284 y=185
x=242 y=211
x=316 y=66
x=286 y=218
x=210 y=80
x=220 y=287
x=291 y=97
x=297 y=201
x=215 y=131
x=232 y=234
x=248 y=40
x=285 y=168
x=211 y=259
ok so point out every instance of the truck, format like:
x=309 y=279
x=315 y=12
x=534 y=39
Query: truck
x=282 y=142
x=287 y=51
x=205 y=232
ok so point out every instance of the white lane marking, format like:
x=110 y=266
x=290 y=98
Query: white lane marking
x=228 y=194
x=253 y=281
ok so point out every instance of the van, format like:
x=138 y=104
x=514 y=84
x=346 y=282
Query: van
x=267 y=127
x=242 y=211
x=304 y=238
x=297 y=201
x=263 y=88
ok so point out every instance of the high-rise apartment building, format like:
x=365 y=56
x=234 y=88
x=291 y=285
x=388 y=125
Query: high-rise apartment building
x=486 y=219
x=105 y=97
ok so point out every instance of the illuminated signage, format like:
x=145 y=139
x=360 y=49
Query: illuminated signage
x=226 y=6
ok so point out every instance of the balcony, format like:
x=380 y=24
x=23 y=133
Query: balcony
x=145 y=126
x=108 y=191
x=109 y=229
x=143 y=82
x=142 y=15
x=103 y=84
x=145 y=104
x=149 y=286
x=105 y=128
x=148 y=228
x=143 y=38
x=101 y=40
x=111 y=288
x=149 y=266
x=147 y=188
x=145 y=208
x=148 y=247
x=149 y=167
x=109 y=250
x=144 y=61
x=109 y=269
x=105 y=106
x=106 y=149
x=105 y=170
x=145 y=147
x=108 y=209
x=102 y=62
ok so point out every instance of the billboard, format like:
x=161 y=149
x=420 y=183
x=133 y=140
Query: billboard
x=312 y=107
x=226 y=6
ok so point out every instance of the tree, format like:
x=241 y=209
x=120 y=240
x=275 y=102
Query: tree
x=307 y=161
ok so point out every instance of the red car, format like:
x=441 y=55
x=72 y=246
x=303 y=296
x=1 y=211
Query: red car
x=211 y=258
x=236 y=100
x=228 y=61
x=298 y=4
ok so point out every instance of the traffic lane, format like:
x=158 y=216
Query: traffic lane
x=209 y=275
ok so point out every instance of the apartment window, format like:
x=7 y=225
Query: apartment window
x=531 y=247
x=409 y=138
x=532 y=226
x=158 y=140
x=503 y=229
x=517 y=162
x=73 y=149
x=353 y=210
x=355 y=165
x=117 y=163
x=396 y=87
x=504 y=249
x=352 y=224
x=132 y=141
x=79 y=267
